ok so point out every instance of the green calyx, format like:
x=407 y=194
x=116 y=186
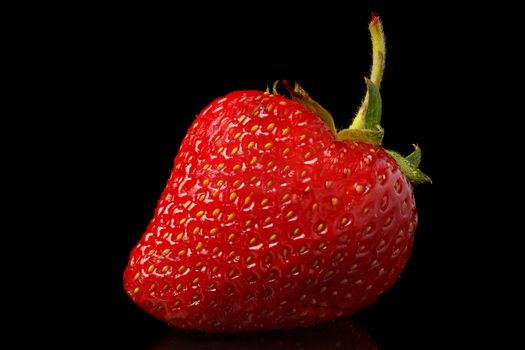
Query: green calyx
x=409 y=166
x=366 y=126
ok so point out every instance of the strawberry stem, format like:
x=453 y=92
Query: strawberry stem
x=378 y=50
x=376 y=73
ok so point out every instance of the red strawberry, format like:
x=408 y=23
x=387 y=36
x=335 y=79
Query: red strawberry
x=272 y=219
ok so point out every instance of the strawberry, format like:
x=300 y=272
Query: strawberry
x=271 y=219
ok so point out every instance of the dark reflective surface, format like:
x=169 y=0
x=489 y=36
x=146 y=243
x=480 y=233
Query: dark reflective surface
x=339 y=334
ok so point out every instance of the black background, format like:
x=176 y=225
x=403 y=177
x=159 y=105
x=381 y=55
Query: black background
x=126 y=84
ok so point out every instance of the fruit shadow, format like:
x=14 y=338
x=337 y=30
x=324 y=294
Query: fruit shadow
x=343 y=333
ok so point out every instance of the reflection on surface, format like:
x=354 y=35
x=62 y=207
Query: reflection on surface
x=340 y=334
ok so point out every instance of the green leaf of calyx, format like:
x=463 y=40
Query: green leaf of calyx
x=372 y=137
x=414 y=158
x=366 y=125
x=410 y=170
x=369 y=116
x=300 y=95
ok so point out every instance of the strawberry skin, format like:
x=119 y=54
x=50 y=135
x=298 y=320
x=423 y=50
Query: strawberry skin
x=269 y=222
